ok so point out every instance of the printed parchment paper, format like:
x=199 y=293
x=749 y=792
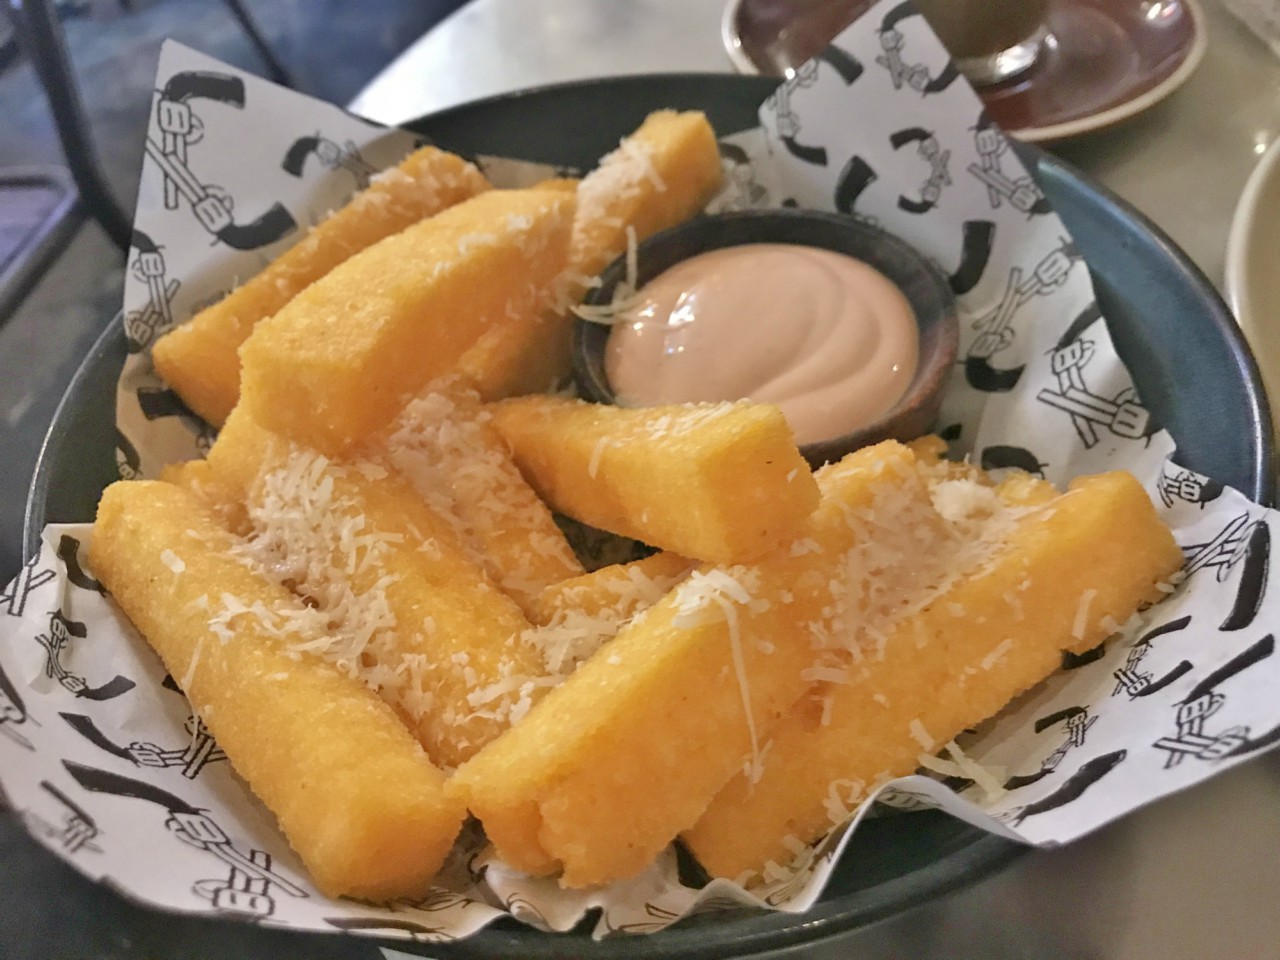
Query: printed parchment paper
x=100 y=754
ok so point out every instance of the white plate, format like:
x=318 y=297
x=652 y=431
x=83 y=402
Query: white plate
x=1253 y=269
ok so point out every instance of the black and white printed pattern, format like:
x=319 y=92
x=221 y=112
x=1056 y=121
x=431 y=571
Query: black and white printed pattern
x=147 y=265
x=97 y=750
x=925 y=162
x=203 y=226
x=329 y=155
x=63 y=822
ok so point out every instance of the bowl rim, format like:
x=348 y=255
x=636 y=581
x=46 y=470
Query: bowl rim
x=111 y=339
x=981 y=857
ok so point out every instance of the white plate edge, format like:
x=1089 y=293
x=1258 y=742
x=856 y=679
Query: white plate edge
x=1144 y=101
x=1242 y=229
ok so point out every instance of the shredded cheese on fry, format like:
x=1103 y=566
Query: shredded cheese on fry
x=625 y=299
x=724 y=589
x=1082 y=614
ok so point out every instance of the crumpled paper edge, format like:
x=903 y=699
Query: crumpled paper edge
x=784 y=118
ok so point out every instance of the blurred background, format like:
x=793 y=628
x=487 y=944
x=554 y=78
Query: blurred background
x=329 y=48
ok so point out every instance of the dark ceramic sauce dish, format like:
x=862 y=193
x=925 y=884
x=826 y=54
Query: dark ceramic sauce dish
x=922 y=284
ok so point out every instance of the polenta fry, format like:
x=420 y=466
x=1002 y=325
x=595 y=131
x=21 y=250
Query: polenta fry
x=628 y=751
x=338 y=362
x=354 y=793
x=444 y=445
x=660 y=175
x=732 y=482
x=199 y=358
x=948 y=667
x=444 y=644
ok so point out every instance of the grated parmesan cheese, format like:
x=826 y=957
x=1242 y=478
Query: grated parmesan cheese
x=724 y=588
x=828 y=707
x=593 y=465
x=625 y=301
x=1082 y=614
x=825 y=674
x=445 y=446
x=959 y=499
x=984 y=778
x=998 y=654
x=843 y=799
x=804 y=546
x=921 y=735
x=190 y=675
x=617 y=177
x=945 y=768
x=308 y=538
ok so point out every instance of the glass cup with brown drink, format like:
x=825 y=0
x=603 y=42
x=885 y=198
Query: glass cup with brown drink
x=991 y=40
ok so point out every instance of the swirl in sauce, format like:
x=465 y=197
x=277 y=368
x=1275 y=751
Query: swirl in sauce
x=830 y=340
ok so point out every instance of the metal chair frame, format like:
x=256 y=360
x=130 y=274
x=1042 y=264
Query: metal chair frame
x=40 y=35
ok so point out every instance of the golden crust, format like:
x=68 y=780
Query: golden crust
x=199 y=358
x=956 y=663
x=353 y=791
x=732 y=483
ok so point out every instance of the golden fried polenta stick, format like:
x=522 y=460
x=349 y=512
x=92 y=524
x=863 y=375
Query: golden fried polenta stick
x=338 y=362
x=443 y=444
x=511 y=361
x=1068 y=572
x=628 y=751
x=567 y=184
x=354 y=793
x=446 y=644
x=576 y=617
x=199 y=358
x=226 y=502
x=661 y=175
x=716 y=482
x=617 y=592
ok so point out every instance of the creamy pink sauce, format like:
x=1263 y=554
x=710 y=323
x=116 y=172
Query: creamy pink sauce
x=829 y=339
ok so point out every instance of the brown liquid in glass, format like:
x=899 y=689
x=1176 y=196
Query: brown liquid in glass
x=981 y=28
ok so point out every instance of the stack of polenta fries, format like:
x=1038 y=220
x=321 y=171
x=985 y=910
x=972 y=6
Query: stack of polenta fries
x=365 y=596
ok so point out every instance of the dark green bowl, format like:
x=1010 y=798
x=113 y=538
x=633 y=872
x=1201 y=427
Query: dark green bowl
x=1166 y=320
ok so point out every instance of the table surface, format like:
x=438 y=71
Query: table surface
x=1191 y=876
x=1183 y=162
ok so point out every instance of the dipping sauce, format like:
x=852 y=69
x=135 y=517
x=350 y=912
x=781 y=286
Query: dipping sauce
x=830 y=340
